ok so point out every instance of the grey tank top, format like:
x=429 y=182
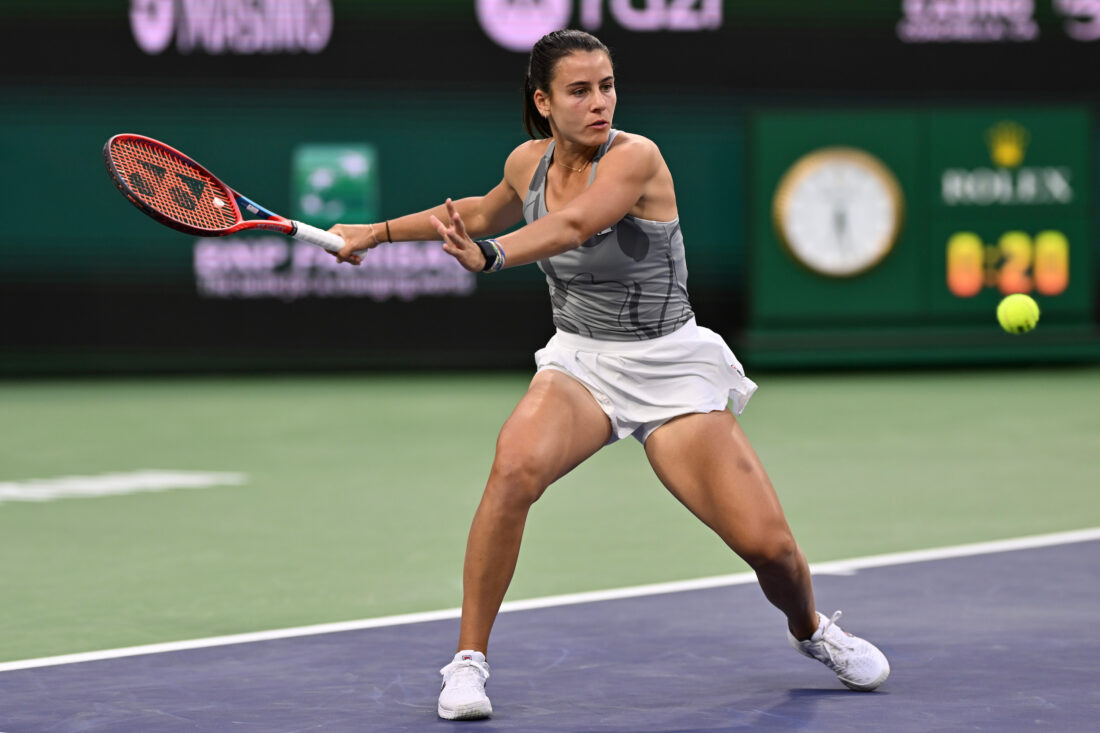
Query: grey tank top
x=626 y=283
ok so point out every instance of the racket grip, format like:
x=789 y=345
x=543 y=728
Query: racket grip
x=313 y=235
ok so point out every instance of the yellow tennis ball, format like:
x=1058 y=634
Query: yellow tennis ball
x=1018 y=313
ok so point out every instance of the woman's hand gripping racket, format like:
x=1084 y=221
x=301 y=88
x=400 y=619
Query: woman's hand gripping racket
x=178 y=192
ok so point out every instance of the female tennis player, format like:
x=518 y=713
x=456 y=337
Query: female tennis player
x=627 y=359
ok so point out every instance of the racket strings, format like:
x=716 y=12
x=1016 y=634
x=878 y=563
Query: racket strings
x=181 y=192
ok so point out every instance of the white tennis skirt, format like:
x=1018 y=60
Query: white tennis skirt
x=641 y=385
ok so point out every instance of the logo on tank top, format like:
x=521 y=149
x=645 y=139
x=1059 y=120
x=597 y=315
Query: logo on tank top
x=517 y=24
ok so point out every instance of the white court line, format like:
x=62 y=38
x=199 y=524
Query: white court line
x=838 y=567
x=114 y=484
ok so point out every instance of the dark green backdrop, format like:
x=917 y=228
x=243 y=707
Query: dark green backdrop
x=117 y=289
x=88 y=284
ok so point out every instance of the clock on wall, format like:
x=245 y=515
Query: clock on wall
x=838 y=211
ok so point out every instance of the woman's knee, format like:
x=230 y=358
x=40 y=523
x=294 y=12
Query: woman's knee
x=773 y=551
x=519 y=476
x=552 y=430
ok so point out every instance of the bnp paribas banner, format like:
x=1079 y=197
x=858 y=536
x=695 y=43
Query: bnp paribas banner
x=330 y=183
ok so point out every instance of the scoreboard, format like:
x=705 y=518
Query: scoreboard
x=975 y=203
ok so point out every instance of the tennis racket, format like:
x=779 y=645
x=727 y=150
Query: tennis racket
x=178 y=192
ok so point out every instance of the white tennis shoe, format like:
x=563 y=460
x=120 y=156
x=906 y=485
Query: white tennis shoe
x=857 y=662
x=462 y=696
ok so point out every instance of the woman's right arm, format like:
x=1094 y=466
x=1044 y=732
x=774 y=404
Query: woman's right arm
x=484 y=215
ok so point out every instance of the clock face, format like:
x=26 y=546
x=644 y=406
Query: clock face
x=838 y=211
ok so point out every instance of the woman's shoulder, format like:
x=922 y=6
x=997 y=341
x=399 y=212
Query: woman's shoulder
x=634 y=143
x=522 y=162
x=635 y=152
x=528 y=152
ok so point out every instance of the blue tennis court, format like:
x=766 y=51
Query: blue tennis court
x=986 y=642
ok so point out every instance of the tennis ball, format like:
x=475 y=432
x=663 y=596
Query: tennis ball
x=1018 y=313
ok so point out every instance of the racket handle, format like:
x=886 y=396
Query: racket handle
x=313 y=235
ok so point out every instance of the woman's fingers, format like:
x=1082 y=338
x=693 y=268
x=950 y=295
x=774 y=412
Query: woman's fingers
x=459 y=227
x=455 y=241
x=440 y=228
x=347 y=253
x=456 y=220
x=452 y=235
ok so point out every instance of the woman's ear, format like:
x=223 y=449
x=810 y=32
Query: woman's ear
x=542 y=103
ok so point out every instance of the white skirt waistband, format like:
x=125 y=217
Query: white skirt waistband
x=584 y=343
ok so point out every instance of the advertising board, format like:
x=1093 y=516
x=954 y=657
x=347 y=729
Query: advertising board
x=901 y=229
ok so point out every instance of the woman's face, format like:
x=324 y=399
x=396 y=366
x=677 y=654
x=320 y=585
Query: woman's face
x=581 y=99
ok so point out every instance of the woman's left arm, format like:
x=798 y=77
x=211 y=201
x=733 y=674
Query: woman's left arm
x=623 y=174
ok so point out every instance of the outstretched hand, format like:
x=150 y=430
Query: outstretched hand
x=358 y=238
x=457 y=243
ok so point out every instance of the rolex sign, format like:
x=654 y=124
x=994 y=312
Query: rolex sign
x=1004 y=161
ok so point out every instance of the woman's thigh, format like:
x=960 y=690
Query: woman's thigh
x=708 y=463
x=556 y=426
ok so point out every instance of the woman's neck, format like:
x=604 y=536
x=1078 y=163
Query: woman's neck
x=574 y=157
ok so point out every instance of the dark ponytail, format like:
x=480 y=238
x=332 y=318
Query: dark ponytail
x=545 y=55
